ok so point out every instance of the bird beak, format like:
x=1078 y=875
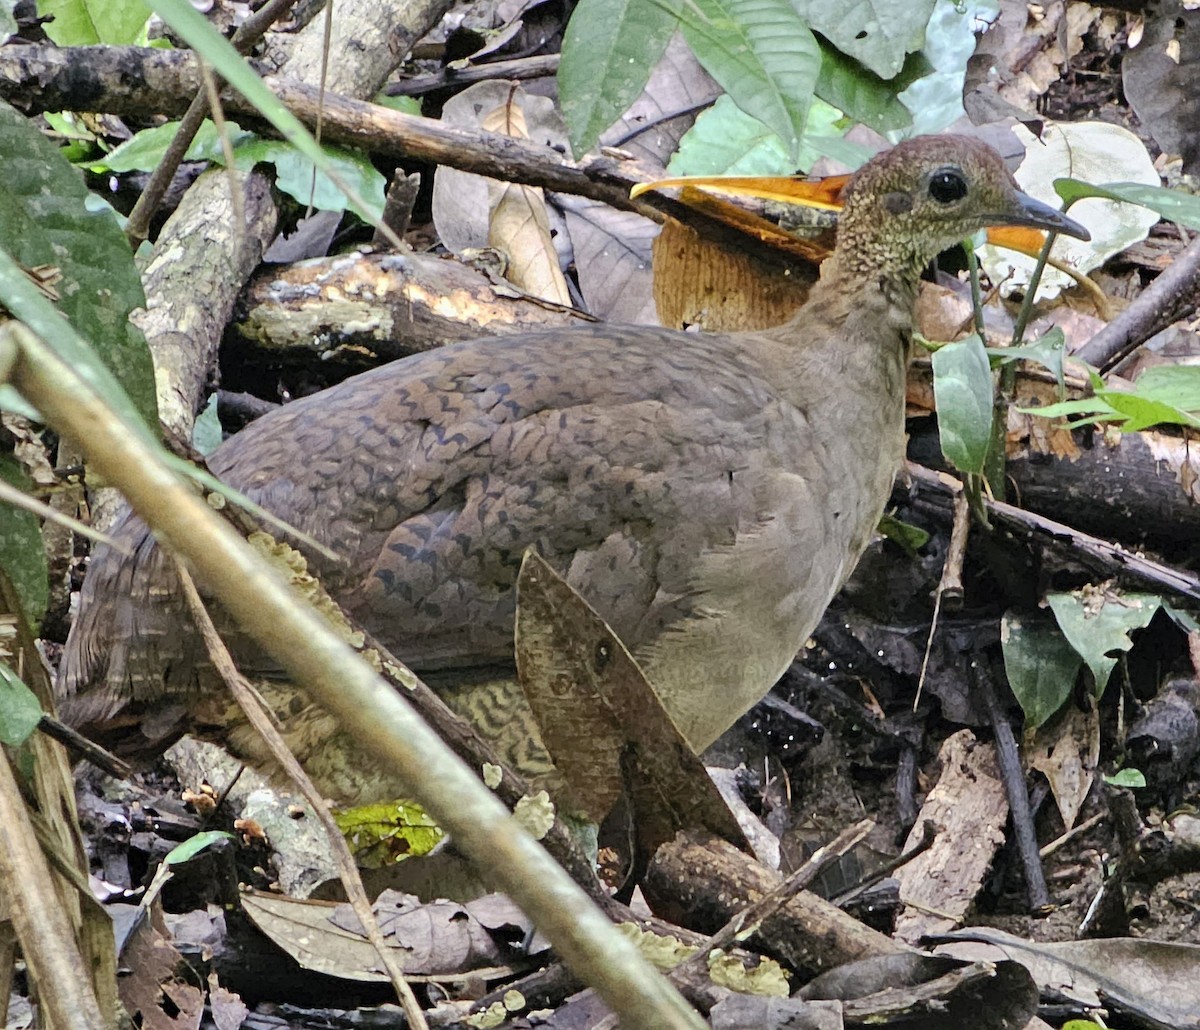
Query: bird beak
x=1037 y=215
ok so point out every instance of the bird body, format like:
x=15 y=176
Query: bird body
x=707 y=494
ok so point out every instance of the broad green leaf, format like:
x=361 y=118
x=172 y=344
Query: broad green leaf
x=1127 y=778
x=724 y=140
x=144 y=151
x=762 y=54
x=1096 y=627
x=293 y=171
x=88 y=22
x=22 y=555
x=727 y=141
x=403 y=104
x=1140 y=412
x=20 y=711
x=911 y=538
x=863 y=95
x=1173 y=205
x=1065 y=409
x=191 y=847
x=936 y=99
x=608 y=51
x=383 y=834
x=1047 y=351
x=962 y=386
x=1176 y=385
x=294 y=175
x=45 y=220
x=206 y=432
x=876 y=33
x=191 y=26
x=1163 y=395
x=1041 y=666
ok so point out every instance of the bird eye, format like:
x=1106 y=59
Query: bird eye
x=947 y=186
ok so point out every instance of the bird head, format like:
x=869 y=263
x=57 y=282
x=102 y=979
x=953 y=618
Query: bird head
x=908 y=204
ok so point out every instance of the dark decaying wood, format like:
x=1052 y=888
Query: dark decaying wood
x=701 y=882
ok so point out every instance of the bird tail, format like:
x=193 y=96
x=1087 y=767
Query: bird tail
x=131 y=649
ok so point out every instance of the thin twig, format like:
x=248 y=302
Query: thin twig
x=86 y=749
x=1071 y=834
x=1113 y=557
x=929 y=832
x=9 y=494
x=262 y=721
x=1014 y=784
x=236 y=200
x=459 y=78
x=949 y=588
x=752 y=916
x=1172 y=296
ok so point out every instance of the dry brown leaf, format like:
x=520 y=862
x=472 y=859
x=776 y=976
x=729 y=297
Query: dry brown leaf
x=1066 y=750
x=519 y=227
x=152 y=993
x=600 y=719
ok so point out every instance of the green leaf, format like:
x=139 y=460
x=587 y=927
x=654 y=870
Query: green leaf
x=143 y=152
x=1181 y=618
x=403 y=104
x=726 y=141
x=763 y=55
x=45 y=220
x=936 y=99
x=206 y=432
x=1176 y=385
x=962 y=386
x=1134 y=778
x=1173 y=205
x=1096 y=627
x=1140 y=412
x=191 y=847
x=863 y=95
x=294 y=175
x=8 y=21
x=383 y=834
x=191 y=26
x=293 y=171
x=911 y=538
x=876 y=33
x=22 y=555
x=1047 y=351
x=608 y=51
x=88 y=22
x=20 y=711
x=1041 y=666
x=1163 y=395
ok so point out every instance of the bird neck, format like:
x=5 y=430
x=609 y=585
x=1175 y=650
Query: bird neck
x=845 y=351
x=852 y=305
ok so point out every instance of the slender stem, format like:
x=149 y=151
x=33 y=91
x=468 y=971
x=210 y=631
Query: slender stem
x=976 y=292
x=1034 y=281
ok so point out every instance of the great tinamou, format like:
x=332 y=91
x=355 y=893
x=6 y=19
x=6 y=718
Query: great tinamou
x=707 y=494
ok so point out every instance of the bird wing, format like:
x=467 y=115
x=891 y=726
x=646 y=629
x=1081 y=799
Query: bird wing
x=622 y=459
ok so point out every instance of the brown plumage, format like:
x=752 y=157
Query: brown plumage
x=707 y=494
